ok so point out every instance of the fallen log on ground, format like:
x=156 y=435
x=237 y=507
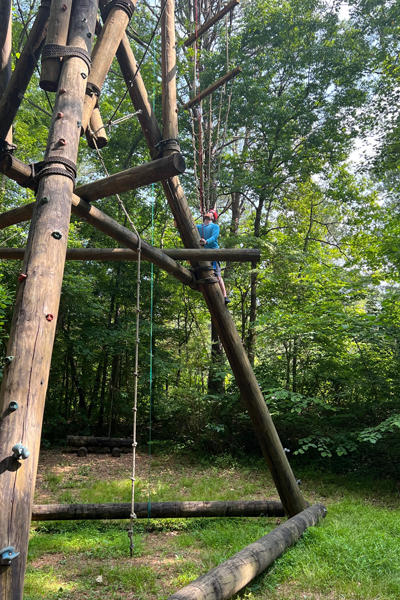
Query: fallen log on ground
x=84 y=440
x=158 y=510
x=232 y=575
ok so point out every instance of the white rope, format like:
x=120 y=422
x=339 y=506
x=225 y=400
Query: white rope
x=134 y=441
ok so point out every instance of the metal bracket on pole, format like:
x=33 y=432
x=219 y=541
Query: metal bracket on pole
x=7 y=555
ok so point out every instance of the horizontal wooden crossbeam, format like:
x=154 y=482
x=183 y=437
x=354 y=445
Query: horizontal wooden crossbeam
x=219 y=83
x=158 y=510
x=232 y=255
x=211 y=22
x=125 y=181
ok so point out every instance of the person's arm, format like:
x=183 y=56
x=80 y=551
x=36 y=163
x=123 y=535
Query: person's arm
x=214 y=237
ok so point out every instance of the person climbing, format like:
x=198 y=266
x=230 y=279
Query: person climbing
x=209 y=232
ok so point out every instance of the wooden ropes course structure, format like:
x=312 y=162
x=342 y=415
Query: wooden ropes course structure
x=62 y=33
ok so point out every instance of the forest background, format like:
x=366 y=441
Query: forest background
x=301 y=155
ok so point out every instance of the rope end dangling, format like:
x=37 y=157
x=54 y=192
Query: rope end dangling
x=131 y=546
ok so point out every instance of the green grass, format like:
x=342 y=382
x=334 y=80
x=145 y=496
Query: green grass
x=353 y=553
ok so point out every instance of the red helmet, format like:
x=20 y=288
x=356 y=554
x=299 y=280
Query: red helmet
x=214 y=212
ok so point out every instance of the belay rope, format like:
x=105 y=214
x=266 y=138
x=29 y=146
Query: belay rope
x=137 y=340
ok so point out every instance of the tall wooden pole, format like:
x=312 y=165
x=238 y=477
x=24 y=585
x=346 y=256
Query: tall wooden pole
x=168 y=71
x=5 y=51
x=35 y=315
x=103 y=54
x=60 y=14
x=268 y=438
x=24 y=68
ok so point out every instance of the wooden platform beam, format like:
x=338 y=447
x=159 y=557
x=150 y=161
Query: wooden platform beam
x=134 y=178
x=104 y=254
x=268 y=438
x=158 y=510
x=208 y=24
x=232 y=575
x=212 y=88
x=24 y=68
x=35 y=314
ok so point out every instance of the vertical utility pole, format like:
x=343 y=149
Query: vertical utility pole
x=30 y=345
x=5 y=50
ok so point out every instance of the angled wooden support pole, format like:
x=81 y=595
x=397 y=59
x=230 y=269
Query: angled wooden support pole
x=234 y=255
x=267 y=435
x=232 y=575
x=125 y=181
x=212 y=88
x=5 y=51
x=96 y=134
x=24 y=68
x=57 y=35
x=104 y=51
x=35 y=315
x=211 y=22
x=158 y=510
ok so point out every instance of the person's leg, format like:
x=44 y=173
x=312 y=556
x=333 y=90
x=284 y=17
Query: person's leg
x=217 y=271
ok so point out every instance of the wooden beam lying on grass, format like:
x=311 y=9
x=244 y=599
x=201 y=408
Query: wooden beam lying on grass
x=125 y=181
x=210 y=90
x=211 y=22
x=232 y=575
x=158 y=510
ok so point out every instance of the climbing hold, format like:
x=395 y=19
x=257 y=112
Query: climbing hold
x=62 y=90
x=7 y=555
x=64 y=7
x=13 y=406
x=22 y=277
x=44 y=200
x=60 y=115
x=49 y=317
x=20 y=451
x=57 y=235
x=83 y=75
x=8 y=359
x=89 y=35
x=62 y=142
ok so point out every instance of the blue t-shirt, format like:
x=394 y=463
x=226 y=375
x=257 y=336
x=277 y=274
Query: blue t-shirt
x=210 y=233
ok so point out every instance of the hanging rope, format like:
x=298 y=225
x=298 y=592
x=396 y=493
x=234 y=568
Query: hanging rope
x=134 y=442
x=199 y=110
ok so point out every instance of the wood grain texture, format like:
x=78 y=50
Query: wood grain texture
x=96 y=134
x=158 y=510
x=103 y=55
x=5 y=50
x=57 y=33
x=102 y=254
x=35 y=314
x=134 y=178
x=24 y=69
x=168 y=72
x=232 y=575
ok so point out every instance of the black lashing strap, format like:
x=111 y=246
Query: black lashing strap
x=57 y=51
x=44 y=167
x=125 y=5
